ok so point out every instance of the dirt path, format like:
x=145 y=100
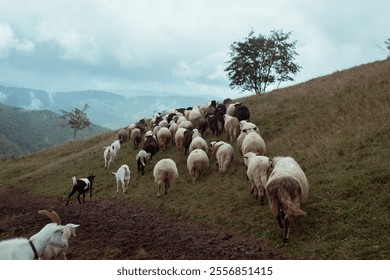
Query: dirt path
x=111 y=229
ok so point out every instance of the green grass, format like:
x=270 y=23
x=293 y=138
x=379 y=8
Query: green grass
x=337 y=127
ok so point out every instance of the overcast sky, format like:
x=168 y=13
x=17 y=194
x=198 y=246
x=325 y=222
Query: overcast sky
x=175 y=46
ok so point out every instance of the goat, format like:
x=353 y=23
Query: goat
x=109 y=155
x=30 y=249
x=52 y=251
x=82 y=186
x=122 y=176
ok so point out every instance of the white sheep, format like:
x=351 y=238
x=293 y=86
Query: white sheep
x=51 y=251
x=173 y=129
x=232 y=126
x=136 y=137
x=29 y=249
x=197 y=142
x=179 y=138
x=287 y=189
x=194 y=113
x=164 y=137
x=252 y=142
x=224 y=154
x=246 y=126
x=165 y=172
x=122 y=176
x=258 y=169
x=142 y=158
x=186 y=124
x=109 y=156
x=197 y=163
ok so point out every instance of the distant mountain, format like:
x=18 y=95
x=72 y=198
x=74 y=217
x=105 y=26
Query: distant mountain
x=105 y=108
x=26 y=131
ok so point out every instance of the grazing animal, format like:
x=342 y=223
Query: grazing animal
x=232 y=126
x=109 y=156
x=164 y=137
x=30 y=249
x=224 y=154
x=52 y=251
x=82 y=186
x=151 y=145
x=122 y=177
x=197 y=163
x=136 y=137
x=165 y=172
x=258 y=169
x=123 y=135
x=287 y=189
x=142 y=158
x=252 y=142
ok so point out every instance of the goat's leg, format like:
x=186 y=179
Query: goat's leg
x=280 y=218
x=70 y=195
x=78 y=198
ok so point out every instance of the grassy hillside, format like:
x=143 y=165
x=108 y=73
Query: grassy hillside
x=337 y=127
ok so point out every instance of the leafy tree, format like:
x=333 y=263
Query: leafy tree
x=76 y=119
x=259 y=61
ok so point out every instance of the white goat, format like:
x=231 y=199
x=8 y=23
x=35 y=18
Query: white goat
x=51 y=251
x=109 y=156
x=29 y=249
x=287 y=188
x=122 y=176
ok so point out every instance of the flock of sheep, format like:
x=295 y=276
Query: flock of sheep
x=280 y=180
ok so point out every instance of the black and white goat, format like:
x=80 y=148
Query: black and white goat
x=82 y=186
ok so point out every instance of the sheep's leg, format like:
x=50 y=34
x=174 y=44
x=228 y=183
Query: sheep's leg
x=166 y=187
x=158 y=190
x=286 y=231
x=280 y=218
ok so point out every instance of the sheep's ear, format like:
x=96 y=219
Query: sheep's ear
x=244 y=130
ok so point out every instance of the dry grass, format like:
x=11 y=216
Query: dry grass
x=337 y=127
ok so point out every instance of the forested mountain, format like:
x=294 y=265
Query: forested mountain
x=25 y=131
x=105 y=108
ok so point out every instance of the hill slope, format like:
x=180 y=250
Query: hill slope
x=25 y=131
x=335 y=126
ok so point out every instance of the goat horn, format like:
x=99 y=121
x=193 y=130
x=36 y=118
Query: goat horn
x=53 y=216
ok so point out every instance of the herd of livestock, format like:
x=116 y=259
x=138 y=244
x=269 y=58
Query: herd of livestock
x=280 y=180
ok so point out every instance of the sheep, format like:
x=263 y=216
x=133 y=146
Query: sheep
x=179 y=138
x=197 y=163
x=52 y=251
x=151 y=146
x=258 y=169
x=122 y=176
x=164 y=172
x=232 y=126
x=198 y=143
x=187 y=139
x=241 y=112
x=287 y=189
x=201 y=124
x=186 y=124
x=109 y=155
x=224 y=154
x=173 y=127
x=123 y=135
x=136 y=137
x=82 y=186
x=164 y=136
x=246 y=126
x=142 y=158
x=252 y=143
x=216 y=124
x=231 y=107
x=211 y=109
x=194 y=113
x=32 y=248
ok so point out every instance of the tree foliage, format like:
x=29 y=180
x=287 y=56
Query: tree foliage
x=76 y=119
x=259 y=61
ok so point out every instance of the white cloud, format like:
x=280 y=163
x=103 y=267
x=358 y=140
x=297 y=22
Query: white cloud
x=8 y=42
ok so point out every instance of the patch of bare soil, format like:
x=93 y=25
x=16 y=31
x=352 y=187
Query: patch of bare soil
x=111 y=229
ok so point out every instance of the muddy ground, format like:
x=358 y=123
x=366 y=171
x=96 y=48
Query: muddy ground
x=111 y=229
